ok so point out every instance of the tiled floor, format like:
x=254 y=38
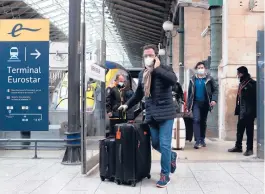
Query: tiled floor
x=215 y=151
x=209 y=170
x=48 y=176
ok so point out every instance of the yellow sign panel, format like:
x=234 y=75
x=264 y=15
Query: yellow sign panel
x=25 y=30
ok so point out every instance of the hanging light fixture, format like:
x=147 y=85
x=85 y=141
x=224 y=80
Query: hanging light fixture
x=168 y=26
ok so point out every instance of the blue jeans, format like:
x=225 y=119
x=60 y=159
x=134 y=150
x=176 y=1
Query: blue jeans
x=200 y=113
x=161 y=135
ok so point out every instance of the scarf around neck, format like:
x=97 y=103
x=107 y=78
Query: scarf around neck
x=243 y=84
x=147 y=80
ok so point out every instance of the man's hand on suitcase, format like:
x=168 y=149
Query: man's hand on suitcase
x=123 y=107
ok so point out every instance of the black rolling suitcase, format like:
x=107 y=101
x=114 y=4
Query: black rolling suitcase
x=133 y=153
x=189 y=128
x=107 y=158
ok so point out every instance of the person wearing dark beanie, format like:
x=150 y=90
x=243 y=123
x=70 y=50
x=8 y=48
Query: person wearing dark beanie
x=246 y=106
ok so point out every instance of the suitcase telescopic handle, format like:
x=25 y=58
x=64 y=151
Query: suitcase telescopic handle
x=120 y=154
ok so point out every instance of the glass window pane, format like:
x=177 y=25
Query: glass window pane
x=58 y=13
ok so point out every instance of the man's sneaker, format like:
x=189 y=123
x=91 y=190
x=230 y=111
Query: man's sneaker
x=248 y=153
x=174 y=157
x=203 y=143
x=235 y=149
x=197 y=145
x=163 y=182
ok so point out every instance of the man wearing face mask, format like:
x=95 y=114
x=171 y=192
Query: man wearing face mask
x=246 y=106
x=202 y=97
x=155 y=84
x=115 y=98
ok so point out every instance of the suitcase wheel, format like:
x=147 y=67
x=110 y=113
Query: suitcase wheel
x=112 y=179
x=133 y=183
x=102 y=178
x=149 y=176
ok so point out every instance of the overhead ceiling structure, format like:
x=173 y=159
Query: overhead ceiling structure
x=57 y=11
x=139 y=22
x=20 y=10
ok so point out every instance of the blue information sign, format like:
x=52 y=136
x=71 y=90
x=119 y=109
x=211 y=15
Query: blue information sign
x=24 y=91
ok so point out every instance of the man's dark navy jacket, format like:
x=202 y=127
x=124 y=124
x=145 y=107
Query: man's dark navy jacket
x=159 y=106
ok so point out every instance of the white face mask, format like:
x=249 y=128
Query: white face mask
x=200 y=71
x=121 y=84
x=148 y=61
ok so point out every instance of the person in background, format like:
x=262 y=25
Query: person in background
x=128 y=91
x=115 y=98
x=246 y=106
x=155 y=85
x=202 y=97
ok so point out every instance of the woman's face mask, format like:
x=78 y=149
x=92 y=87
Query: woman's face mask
x=148 y=61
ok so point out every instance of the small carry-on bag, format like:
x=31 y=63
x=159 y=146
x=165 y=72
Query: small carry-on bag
x=133 y=153
x=179 y=135
x=107 y=158
x=188 y=121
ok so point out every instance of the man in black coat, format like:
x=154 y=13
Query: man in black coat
x=155 y=84
x=246 y=108
x=115 y=96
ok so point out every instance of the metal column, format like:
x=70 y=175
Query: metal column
x=260 y=95
x=73 y=147
x=181 y=45
x=83 y=95
x=102 y=63
x=170 y=50
x=216 y=57
x=166 y=47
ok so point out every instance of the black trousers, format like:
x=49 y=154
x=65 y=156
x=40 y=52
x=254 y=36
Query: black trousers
x=200 y=113
x=248 y=124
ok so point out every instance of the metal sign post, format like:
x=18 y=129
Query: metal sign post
x=102 y=63
x=72 y=154
x=260 y=94
x=83 y=95
x=24 y=58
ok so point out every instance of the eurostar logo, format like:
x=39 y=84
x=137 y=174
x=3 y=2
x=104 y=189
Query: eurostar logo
x=18 y=28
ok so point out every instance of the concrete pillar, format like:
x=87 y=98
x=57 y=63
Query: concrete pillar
x=216 y=56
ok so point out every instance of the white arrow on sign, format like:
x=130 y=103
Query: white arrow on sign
x=37 y=54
